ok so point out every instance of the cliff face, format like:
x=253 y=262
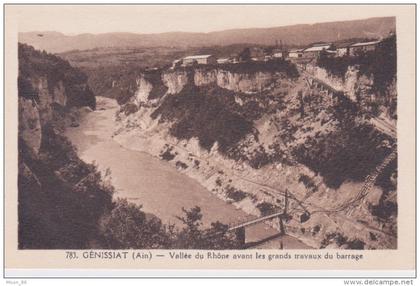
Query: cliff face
x=359 y=88
x=49 y=89
x=173 y=82
x=56 y=209
x=144 y=88
x=355 y=85
x=30 y=123
x=368 y=78
x=234 y=81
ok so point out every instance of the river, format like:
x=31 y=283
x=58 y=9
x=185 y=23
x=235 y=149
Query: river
x=153 y=183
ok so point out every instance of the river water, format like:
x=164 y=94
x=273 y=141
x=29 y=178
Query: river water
x=155 y=184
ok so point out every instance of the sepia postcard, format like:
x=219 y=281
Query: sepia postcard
x=230 y=140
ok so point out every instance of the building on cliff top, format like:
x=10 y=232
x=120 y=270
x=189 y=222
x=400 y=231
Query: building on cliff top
x=295 y=53
x=278 y=55
x=223 y=61
x=199 y=59
x=343 y=49
x=315 y=50
x=363 y=47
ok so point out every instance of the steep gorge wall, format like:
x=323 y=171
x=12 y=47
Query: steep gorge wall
x=368 y=78
x=237 y=82
x=175 y=80
x=352 y=84
x=56 y=209
x=45 y=95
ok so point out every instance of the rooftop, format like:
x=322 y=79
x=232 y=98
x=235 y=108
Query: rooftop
x=320 y=44
x=197 y=57
x=343 y=45
x=365 y=44
x=317 y=48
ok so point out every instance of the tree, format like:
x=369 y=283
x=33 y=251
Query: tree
x=193 y=236
x=245 y=55
x=128 y=226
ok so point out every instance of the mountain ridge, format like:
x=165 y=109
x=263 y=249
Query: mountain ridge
x=299 y=34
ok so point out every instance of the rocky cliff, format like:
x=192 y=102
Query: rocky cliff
x=49 y=91
x=262 y=139
x=368 y=78
x=241 y=78
x=60 y=197
x=360 y=88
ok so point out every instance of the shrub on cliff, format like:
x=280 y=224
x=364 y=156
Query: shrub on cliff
x=26 y=90
x=350 y=152
x=158 y=87
x=342 y=241
x=307 y=181
x=129 y=108
x=127 y=226
x=267 y=208
x=235 y=194
x=166 y=154
x=209 y=113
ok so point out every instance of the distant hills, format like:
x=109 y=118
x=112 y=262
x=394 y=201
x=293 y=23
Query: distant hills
x=296 y=35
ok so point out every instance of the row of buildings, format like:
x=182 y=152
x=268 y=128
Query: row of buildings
x=260 y=54
x=338 y=50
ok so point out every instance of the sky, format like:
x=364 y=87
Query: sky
x=147 y=19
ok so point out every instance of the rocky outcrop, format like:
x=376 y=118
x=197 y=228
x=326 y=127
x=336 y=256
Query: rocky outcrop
x=353 y=84
x=359 y=88
x=326 y=77
x=205 y=77
x=144 y=88
x=175 y=80
x=235 y=81
x=246 y=83
x=30 y=123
